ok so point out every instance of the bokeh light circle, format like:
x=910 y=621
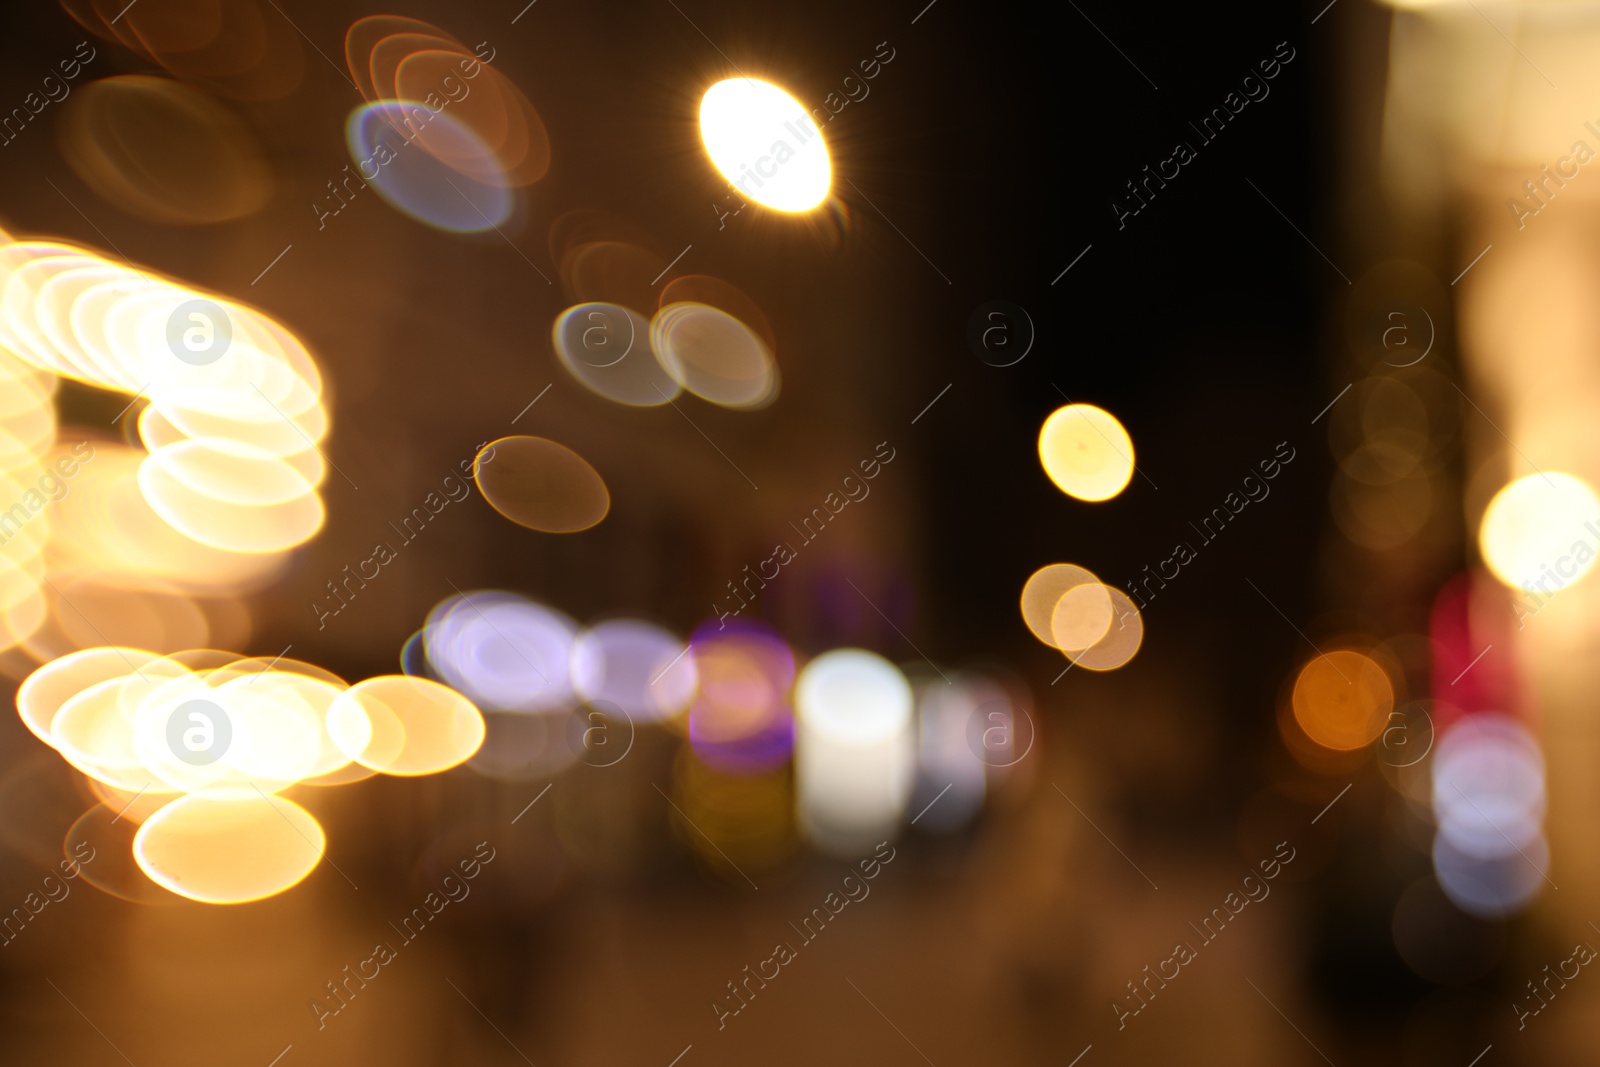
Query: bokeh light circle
x=400 y=725
x=1541 y=532
x=1489 y=786
x=1342 y=699
x=1086 y=452
x=229 y=849
x=715 y=356
x=1044 y=590
x=635 y=665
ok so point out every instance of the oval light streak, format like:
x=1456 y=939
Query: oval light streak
x=540 y=484
x=229 y=849
x=405 y=726
x=765 y=144
x=414 y=181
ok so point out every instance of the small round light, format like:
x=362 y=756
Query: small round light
x=1342 y=700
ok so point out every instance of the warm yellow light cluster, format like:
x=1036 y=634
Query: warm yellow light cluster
x=205 y=739
x=195 y=746
x=235 y=409
x=226 y=482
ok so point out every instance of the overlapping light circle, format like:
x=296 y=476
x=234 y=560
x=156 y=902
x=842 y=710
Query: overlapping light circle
x=444 y=137
x=243 y=49
x=418 y=181
x=636 y=340
x=833 y=750
x=164 y=151
x=1488 y=786
x=226 y=482
x=399 y=725
x=606 y=347
x=714 y=355
x=1094 y=625
x=636 y=666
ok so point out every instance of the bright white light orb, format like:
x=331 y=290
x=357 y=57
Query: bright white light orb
x=853 y=698
x=855 y=757
x=1541 y=532
x=765 y=144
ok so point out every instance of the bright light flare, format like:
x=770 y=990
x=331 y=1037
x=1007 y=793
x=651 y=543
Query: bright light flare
x=765 y=144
